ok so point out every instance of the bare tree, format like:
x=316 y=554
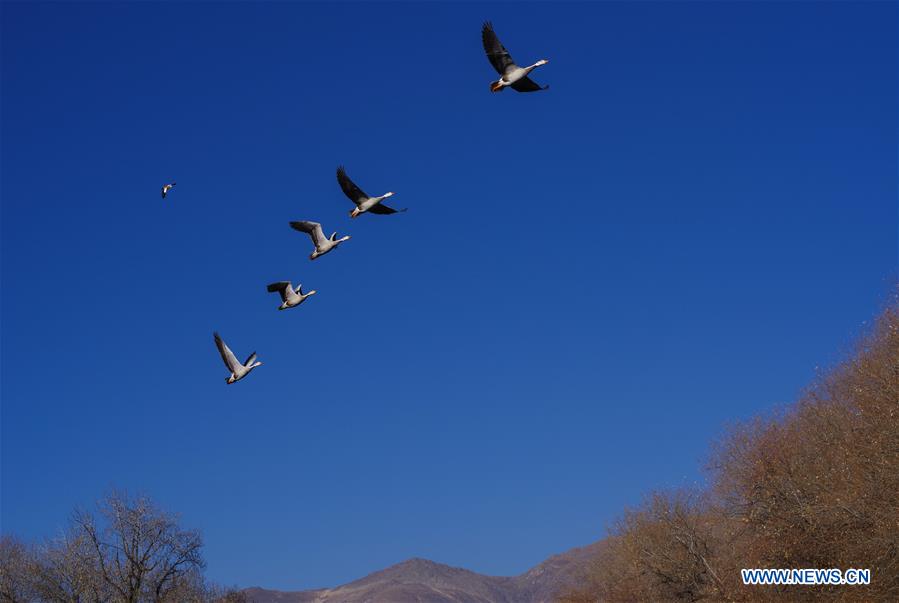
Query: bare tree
x=668 y=549
x=129 y=551
x=139 y=551
x=15 y=559
x=64 y=571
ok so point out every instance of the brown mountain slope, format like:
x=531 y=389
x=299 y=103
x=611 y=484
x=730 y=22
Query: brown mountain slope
x=423 y=581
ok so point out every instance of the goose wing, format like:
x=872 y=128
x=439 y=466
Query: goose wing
x=282 y=287
x=313 y=229
x=353 y=192
x=380 y=208
x=526 y=84
x=228 y=357
x=497 y=54
x=250 y=359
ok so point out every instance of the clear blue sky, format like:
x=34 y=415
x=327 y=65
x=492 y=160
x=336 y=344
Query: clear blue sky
x=590 y=283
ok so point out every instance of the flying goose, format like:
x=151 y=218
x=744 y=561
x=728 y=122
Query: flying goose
x=166 y=188
x=363 y=202
x=289 y=296
x=238 y=370
x=322 y=245
x=511 y=74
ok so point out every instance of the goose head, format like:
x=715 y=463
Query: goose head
x=496 y=86
x=354 y=213
x=231 y=379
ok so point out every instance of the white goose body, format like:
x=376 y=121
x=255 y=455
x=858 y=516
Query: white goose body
x=363 y=202
x=322 y=244
x=290 y=297
x=369 y=203
x=517 y=74
x=511 y=75
x=238 y=370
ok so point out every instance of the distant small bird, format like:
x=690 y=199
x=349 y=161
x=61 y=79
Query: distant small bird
x=511 y=74
x=166 y=188
x=363 y=202
x=238 y=370
x=289 y=296
x=322 y=245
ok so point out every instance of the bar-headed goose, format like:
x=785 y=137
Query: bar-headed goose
x=238 y=370
x=510 y=73
x=166 y=188
x=363 y=202
x=289 y=296
x=322 y=244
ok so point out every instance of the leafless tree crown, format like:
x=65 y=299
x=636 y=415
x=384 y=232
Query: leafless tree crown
x=129 y=551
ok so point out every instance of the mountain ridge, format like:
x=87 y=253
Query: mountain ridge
x=424 y=581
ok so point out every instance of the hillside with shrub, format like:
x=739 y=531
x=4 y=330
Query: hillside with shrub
x=815 y=485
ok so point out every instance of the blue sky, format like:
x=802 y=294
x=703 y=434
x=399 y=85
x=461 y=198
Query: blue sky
x=589 y=285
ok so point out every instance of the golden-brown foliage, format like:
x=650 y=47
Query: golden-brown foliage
x=817 y=487
x=672 y=548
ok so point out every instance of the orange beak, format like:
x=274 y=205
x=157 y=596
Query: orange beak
x=495 y=87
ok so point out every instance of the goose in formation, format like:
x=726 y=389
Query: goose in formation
x=322 y=244
x=363 y=202
x=166 y=188
x=510 y=73
x=238 y=370
x=289 y=296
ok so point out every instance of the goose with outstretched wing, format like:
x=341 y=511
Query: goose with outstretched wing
x=322 y=243
x=166 y=188
x=290 y=297
x=511 y=75
x=238 y=370
x=363 y=202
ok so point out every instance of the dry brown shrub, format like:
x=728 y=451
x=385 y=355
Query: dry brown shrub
x=816 y=486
